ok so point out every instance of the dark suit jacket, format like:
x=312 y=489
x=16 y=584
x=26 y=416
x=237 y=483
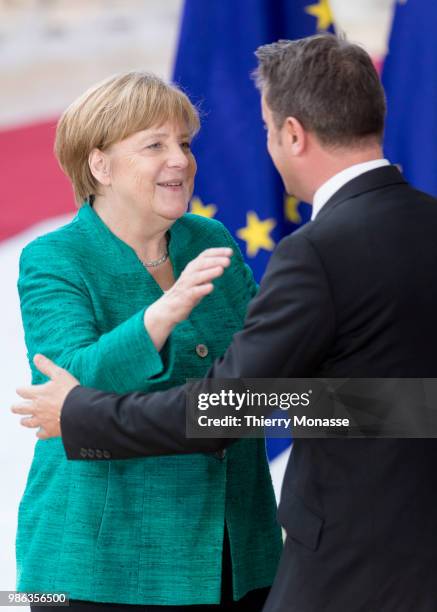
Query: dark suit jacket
x=351 y=294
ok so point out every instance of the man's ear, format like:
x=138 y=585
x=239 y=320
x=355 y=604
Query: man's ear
x=99 y=165
x=295 y=136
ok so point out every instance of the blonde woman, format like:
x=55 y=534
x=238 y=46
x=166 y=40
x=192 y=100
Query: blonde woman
x=136 y=295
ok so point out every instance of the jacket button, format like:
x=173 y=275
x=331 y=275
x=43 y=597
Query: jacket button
x=99 y=454
x=91 y=453
x=83 y=453
x=202 y=350
x=106 y=454
x=220 y=454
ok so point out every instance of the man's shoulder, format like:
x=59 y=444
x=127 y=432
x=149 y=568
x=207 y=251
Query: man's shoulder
x=370 y=220
x=374 y=207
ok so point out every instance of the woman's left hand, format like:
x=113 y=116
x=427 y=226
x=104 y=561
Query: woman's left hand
x=44 y=402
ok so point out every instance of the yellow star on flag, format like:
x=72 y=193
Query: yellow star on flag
x=204 y=210
x=322 y=11
x=256 y=234
x=291 y=210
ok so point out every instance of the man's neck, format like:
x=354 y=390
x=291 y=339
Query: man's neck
x=334 y=161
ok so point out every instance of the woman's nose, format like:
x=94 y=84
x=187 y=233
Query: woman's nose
x=177 y=158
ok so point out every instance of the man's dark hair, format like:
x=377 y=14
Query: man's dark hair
x=329 y=84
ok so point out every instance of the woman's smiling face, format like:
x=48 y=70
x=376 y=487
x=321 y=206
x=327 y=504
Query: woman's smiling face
x=154 y=168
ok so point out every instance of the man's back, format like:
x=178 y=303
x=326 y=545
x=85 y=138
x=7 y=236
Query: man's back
x=377 y=241
x=360 y=514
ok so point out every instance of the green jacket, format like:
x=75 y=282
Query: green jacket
x=139 y=531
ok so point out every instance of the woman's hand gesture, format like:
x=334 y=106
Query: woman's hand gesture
x=192 y=286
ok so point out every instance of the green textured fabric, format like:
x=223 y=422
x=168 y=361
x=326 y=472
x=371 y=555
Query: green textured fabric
x=140 y=531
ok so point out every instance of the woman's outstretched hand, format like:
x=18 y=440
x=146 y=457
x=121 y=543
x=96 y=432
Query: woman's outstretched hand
x=192 y=286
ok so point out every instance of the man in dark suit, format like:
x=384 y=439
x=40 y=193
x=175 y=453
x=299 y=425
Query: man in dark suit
x=351 y=294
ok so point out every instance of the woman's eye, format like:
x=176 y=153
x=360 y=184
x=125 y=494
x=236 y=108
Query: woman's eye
x=186 y=146
x=155 y=145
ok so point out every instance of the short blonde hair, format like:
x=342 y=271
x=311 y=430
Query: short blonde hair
x=111 y=111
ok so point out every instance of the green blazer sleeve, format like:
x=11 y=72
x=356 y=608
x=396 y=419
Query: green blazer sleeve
x=58 y=321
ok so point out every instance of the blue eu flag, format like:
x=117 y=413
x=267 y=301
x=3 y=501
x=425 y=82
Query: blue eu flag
x=236 y=180
x=410 y=80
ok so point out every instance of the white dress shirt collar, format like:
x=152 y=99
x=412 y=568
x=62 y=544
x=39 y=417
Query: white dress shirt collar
x=332 y=185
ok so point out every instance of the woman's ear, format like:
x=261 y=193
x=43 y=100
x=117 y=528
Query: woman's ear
x=99 y=165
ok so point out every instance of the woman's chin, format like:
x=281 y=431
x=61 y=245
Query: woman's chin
x=173 y=212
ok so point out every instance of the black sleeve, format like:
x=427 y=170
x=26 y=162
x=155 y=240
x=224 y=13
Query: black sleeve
x=288 y=330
